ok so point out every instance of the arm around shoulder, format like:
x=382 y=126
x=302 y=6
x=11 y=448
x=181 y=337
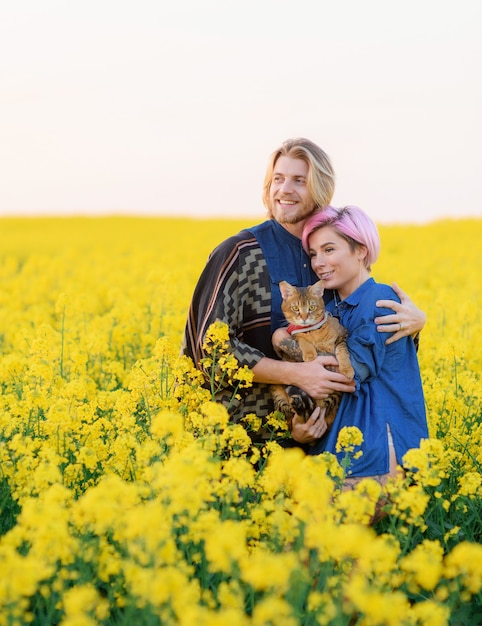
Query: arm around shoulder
x=406 y=320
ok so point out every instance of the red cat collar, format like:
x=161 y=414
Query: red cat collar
x=293 y=328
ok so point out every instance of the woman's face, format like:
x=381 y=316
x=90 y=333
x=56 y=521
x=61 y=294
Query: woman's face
x=335 y=262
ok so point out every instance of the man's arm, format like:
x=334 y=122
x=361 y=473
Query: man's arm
x=407 y=319
x=311 y=376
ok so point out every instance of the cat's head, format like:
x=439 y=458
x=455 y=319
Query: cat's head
x=303 y=306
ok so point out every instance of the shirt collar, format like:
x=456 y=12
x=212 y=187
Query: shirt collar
x=355 y=297
x=283 y=233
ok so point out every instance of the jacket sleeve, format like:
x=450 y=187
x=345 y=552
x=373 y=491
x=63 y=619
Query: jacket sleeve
x=224 y=292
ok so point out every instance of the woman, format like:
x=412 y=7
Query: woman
x=388 y=404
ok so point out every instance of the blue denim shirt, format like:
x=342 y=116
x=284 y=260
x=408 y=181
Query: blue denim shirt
x=286 y=260
x=389 y=387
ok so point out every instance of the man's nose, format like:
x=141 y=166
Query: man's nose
x=287 y=186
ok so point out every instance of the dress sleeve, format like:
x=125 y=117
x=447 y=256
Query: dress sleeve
x=367 y=347
x=223 y=293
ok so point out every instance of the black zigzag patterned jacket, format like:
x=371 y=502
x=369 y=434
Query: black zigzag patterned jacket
x=239 y=286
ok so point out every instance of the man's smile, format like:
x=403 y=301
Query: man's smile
x=289 y=202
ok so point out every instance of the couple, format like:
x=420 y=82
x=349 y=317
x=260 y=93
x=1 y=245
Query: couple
x=303 y=240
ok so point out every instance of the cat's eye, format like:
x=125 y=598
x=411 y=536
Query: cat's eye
x=295 y=308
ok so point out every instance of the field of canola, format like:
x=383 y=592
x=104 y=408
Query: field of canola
x=127 y=498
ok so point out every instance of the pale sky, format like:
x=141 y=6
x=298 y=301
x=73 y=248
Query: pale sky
x=151 y=107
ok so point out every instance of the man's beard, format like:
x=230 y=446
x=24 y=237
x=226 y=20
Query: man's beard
x=298 y=217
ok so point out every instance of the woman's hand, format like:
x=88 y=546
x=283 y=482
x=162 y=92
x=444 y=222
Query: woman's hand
x=311 y=430
x=407 y=319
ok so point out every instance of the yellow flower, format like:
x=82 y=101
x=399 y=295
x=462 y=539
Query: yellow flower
x=264 y=570
x=378 y=607
x=423 y=566
x=217 y=334
x=225 y=546
x=349 y=438
x=83 y=605
x=429 y=460
x=409 y=502
x=252 y=422
x=167 y=425
x=115 y=460
x=273 y=611
x=465 y=562
x=470 y=484
x=276 y=421
x=359 y=504
x=430 y=613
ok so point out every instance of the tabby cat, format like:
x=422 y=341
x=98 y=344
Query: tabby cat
x=313 y=332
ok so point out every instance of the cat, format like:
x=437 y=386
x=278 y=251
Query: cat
x=313 y=332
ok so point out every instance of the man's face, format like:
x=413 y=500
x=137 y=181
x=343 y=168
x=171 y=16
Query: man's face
x=291 y=200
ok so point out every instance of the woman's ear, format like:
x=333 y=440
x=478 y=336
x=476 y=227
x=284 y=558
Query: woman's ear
x=362 y=252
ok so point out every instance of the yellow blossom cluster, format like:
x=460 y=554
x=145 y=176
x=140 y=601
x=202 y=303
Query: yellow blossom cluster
x=128 y=497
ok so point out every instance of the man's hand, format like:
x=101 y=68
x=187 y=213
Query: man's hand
x=319 y=382
x=407 y=319
x=311 y=430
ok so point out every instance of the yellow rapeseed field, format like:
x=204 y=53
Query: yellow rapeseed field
x=126 y=497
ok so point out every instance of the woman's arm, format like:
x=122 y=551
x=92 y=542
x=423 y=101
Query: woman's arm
x=407 y=319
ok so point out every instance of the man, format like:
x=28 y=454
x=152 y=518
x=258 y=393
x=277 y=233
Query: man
x=239 y=286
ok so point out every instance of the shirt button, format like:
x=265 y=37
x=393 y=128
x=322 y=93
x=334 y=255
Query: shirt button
x=304 y=264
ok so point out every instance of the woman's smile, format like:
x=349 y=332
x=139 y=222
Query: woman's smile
x=326 y=275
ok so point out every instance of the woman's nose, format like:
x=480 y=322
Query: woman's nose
x=318 y=259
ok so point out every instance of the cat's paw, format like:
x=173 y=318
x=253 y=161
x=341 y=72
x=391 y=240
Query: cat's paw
x=300 y=402
x=349 y=372
x=291 y=350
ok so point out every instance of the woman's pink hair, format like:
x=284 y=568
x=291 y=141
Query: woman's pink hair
x=352 y=224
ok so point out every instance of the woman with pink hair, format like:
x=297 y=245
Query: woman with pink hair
x=388 y=404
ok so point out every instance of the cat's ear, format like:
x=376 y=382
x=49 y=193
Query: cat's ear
x=286 y=289
x=318 y=288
